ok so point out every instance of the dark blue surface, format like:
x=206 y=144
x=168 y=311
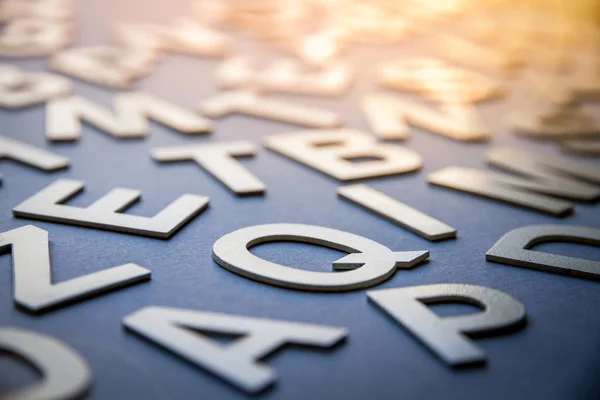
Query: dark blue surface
x=554 y=357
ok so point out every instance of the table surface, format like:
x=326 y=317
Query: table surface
x=554 y=356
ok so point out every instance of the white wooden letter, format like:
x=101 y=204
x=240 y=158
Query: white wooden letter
x=30 y=155
x=65 y=374
x=397 y=212
x=446 y=336
x=29 y=37
x=389 y=117
x=248 y=103
x=218 y=159
x=332 y=152
x=238 y=362
x=33 y=276
x=182 y=36
x=285 y=76
x=105 y=65
x=19 y=89
x=369 y=263
x=515 y=248
x=130 y=119
x=107 y=213
x=553 y=176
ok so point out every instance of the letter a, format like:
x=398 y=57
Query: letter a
x=236 y=363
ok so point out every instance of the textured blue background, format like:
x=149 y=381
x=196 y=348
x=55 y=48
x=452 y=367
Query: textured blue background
x=555 y=356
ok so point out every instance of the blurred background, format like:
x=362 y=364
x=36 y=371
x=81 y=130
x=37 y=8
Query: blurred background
x=543 y=54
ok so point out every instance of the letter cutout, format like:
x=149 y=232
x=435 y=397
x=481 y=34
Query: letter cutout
x=556 y=113
x=555 y=122
x=331 y=153
x=585 y=147
x=446 y=336
x=285 y=76
x=19 y=89
x=454 y=88
x=44 y=9
x=439 y=81
x=514 y=248
x=389 y=117
x=107 y=213
x=566 y=90
x=182 y=36
x=105 y=65
x=130 y=120
x=465 y=51
x=139 y=36
x=248 y=103
x=189 y=37
x=238 y=362
x=321 y=47
x=218 y=160
x=29 y=37
x=551 y=169
x=33 y=276
x=369 y=263
x=397 y=212
x=543 y=174
x=547 y=89
x=26 y=154
x=66 y=375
